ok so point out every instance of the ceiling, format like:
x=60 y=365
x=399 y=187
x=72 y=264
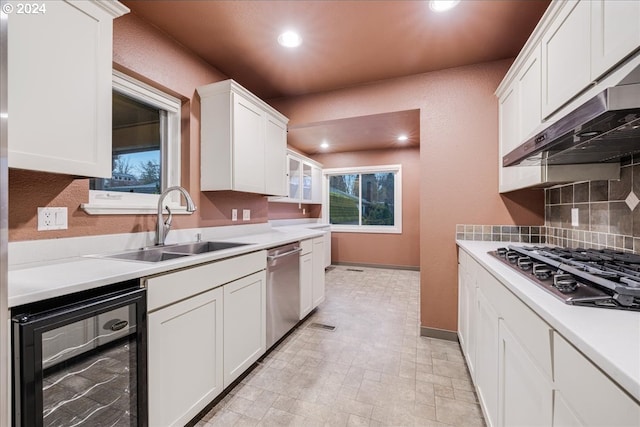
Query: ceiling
x=345 y=43
x=374 y=132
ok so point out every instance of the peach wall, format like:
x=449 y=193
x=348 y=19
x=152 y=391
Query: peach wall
x=141 y=51
x=278 y=210
x=458 y=162
x=375 y=248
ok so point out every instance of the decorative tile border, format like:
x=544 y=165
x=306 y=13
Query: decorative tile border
x=591 y=239
x=501 y=233
x=548 y=235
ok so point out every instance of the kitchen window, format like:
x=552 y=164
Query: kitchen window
x=145 y=151
x=364 y=199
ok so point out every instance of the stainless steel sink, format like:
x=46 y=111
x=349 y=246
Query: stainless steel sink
x=203 y=247
x=147 y=255
x=164 y=253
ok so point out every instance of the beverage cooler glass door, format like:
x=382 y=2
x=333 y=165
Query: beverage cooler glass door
x=83 y=364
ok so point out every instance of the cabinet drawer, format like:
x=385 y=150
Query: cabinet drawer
x=594 y=398
x=172 y=287
x=533 y=332
x=307 y=246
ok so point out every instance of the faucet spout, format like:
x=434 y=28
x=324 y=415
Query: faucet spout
x=162 y=227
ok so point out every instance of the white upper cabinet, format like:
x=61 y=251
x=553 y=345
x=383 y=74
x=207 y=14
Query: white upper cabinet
x=566 y=55
x=615 y=33
x=243 y=141
x=529 y=87
x=275 y=156
x=576 y=43
x=304 y=180
x=519 y=112
x=59 y=95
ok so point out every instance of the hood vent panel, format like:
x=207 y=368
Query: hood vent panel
x=602 y=130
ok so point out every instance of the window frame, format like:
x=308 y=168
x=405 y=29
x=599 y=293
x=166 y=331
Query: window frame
x=397 y=189
x=103 y=202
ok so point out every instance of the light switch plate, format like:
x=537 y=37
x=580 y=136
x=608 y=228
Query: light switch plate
x=52 y=219
x=246 y=214
x=234 y=214
x=574 y=217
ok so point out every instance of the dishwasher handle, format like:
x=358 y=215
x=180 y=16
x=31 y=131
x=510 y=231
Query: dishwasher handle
x=274 y=257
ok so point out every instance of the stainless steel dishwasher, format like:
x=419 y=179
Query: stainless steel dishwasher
x=283 y=291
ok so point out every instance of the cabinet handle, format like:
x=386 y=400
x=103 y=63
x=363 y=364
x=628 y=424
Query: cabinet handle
x=272 y=257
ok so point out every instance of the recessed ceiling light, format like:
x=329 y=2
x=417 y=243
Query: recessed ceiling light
x=403 y=138
x=324 y=145
x=443 y=5
x=290 y=39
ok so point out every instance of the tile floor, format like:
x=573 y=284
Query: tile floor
x=373 y=370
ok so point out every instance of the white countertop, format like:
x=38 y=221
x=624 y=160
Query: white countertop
x=610 y=338
x=79 y=273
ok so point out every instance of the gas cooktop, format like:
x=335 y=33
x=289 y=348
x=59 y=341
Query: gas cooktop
x=589 y=277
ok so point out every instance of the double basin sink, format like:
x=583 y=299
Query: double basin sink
x=164 y=253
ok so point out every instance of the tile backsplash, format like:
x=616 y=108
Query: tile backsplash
x=501 y=233
x=608 y=211
x=608 y=215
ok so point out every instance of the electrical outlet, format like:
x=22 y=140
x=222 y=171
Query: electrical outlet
x=574 y=217
x=52 y=219
x=234 y=214
x=246 y=214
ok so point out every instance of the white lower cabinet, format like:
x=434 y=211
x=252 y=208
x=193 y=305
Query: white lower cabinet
x=525 y=373
x=318 y=271
x=312 y=264
x=486 y=372
x=467 y=314
x=207 y=325
x=244 y=324
x=185 y=358
x=588 y=397
x=525 y=394
x=306 y=278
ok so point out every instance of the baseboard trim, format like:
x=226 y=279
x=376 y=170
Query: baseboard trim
x=388 y=266
x=440 y=334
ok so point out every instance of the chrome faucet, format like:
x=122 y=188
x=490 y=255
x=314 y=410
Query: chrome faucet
x=163 y=227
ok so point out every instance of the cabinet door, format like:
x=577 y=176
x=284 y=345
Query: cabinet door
x=275 y=154
x=563 y=416
x=294 y=174
x=185 y=358
x=327 y=247
x=307 y=182
x=615 y=33
x=525 y=395
x=487 y=357
x=59 y=97
x=566 y=53
x=306 y=284
x=244 y=324
x=529 y=82
x=592 y=396
x=248 y=146
x=316 y=183
x=318 y=271
x=513 y=177
x=467 y=307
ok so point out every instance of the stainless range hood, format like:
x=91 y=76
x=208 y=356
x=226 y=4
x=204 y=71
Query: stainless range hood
x=602 y=130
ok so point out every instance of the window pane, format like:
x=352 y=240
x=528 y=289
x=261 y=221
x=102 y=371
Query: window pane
x=136 y=139
x=378 y=199
x=344 y=193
